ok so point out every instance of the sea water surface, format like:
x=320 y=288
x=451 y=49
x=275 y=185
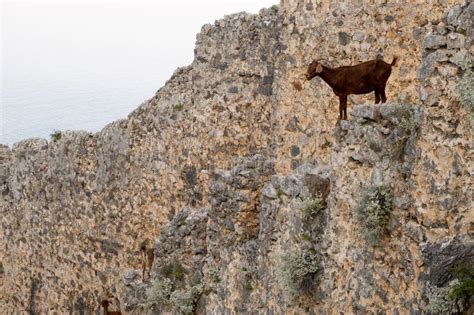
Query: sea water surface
x=36 y=106
x=80 y=66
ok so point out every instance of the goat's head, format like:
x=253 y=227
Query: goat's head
x=144 y=245
x=105 y=304
x=314 y=69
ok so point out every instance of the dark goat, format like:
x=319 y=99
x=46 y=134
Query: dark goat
x=105 y=305
x=148 y=258
x=359 y=79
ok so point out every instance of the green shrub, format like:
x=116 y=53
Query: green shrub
x=296 y=272
x=20 y=155
x=310 y=207
x=178 y=108
x=248 y=276
x=464 y=289
x=279 y=192
x=405 y=119
x=373 y=212
x=465 y=89
x=185 y=301
x=407 y=128
x=172 y=270
x=181 y=217
x=214 y=275
x=454 y=296
x=56 y=135
x=2 y=270
x=438 y=300
x=160 y=291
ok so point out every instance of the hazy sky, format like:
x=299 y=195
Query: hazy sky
x=82 y=65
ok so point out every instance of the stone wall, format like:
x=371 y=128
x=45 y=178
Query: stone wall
x=215 y=167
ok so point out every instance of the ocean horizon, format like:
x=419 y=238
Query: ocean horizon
x=81 y=66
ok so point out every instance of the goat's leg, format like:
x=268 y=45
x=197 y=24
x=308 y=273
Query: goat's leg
x=377 y=95
x=344 y=107
x=340 y=107
x=382 y=93
x=144 y=265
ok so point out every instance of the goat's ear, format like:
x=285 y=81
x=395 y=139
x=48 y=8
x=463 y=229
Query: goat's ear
x=319 y=68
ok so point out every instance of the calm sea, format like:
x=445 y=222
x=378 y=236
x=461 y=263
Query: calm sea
x=79 y=66
x=37 y=107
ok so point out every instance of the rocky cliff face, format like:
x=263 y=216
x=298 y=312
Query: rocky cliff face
x=254 y=199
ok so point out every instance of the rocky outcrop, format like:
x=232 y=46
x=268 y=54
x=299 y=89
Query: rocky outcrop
x=252 y=194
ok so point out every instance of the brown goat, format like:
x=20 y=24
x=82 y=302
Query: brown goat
x=359 y=79
x=148 y=258
x=105 y=305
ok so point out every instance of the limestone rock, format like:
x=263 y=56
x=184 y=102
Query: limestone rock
x=433 y=41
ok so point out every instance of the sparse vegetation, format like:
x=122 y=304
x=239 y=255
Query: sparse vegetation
x=248 y=276
x=373 y=212
x=214 y=275
x=173 y=270
x=465 y=89
x=454 y=296
x=406 y=119
x=56 y=135
x=406 y=122
x=178 y=107
x=311 y=206
x=279 y=192
x=185 y=301
x=159 y=291
x=180 y=217
x=20 y=155
x=296 y=272
x=2 y=270
x=464 y=289
x=437 y=300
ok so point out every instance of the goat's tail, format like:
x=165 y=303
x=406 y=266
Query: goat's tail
x=394 y=61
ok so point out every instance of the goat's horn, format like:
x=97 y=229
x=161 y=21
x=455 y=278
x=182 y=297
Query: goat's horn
x=322 y=59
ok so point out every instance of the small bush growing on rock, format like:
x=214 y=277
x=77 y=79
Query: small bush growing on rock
x=464 y=289
x=311 y=206
x=279 y=192
x=406 y=119
x=181 y=217
x=178 y=108
x=407 y=124
x=465 y=90
x=248 y=276
x=438 y=300
x=185 y=301
x=214 y=275
x=56 y=135
x=173 y=270
x=159 y=291
x=455 y=296
x=297 y=271
x=20 y=155
x=374 y=211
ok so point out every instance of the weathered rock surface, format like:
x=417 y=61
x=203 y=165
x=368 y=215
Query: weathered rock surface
x=216 y=167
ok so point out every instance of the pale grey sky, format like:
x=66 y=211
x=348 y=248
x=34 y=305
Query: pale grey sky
x=81 y=65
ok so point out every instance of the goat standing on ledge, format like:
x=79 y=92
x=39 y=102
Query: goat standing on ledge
x=359 y=79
